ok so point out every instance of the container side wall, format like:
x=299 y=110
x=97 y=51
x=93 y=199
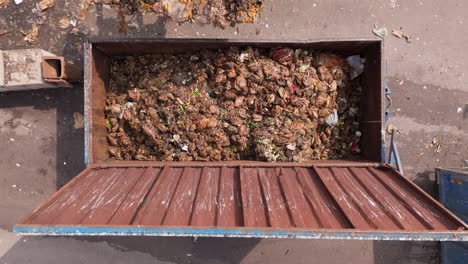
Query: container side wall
x=99 y=74
x=371 y=108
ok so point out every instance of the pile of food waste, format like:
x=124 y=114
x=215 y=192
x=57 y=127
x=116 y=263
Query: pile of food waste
x=277 y=104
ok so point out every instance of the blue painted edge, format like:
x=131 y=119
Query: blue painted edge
x=382 y=152
x=231 y=232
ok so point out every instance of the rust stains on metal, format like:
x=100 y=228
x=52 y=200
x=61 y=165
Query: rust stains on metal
x=59 y=72
x=311 y=197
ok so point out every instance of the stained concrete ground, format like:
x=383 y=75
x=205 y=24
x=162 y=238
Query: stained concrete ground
x=41 y=150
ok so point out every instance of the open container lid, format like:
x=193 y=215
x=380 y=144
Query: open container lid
x=256 y=199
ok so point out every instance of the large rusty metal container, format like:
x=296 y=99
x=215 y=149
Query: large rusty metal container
x=98 y=69
x=334 y=199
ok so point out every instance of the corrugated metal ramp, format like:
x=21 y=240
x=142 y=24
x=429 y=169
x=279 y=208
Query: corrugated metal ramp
x=357 y=201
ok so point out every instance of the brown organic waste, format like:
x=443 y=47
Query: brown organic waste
x=218 y=12
x=4 y=3
x=64 y=22
x=32 y=35
x=233 y=104
x=78 y=120
x=45 y=4
x=400 y=34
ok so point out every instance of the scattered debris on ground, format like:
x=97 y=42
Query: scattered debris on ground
x=381 y=32
x=32 y=35
x=64 y=22
x=217 y=12
x=233 y=104
x=78 y=120
x=400 y=34
x=436 y=144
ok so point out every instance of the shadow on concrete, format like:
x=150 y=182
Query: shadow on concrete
x=128 y=250
x=426 y=181
x=395 y=252
x=185 y=249
x=69 y=141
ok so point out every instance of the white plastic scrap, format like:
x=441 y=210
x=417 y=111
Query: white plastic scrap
x=381 y=32
x=357 y=63
x=184 y=148
x=18 y=2
x=332 y=119
x=243 y=57
x=128 y=105
x=291 y=146
x=358 y=133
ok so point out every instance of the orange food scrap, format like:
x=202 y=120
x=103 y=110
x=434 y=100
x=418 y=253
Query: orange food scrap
x=252 y=11
x=146 y=5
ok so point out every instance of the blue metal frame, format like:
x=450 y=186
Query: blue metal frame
x=394 y=155
x=386 y=118
x=387 y=95
x=230 y=232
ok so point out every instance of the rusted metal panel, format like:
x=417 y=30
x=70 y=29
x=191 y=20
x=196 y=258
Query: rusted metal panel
x=57 y=71
x=96 y=74
x=302 y=201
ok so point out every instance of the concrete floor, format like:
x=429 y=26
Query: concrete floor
x=41 y=150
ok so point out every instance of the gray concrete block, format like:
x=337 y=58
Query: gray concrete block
x=22 y=70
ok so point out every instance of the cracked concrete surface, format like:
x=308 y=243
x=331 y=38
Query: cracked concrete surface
x=427 y=78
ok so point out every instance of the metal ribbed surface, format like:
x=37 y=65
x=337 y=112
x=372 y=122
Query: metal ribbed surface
x=287 y=197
